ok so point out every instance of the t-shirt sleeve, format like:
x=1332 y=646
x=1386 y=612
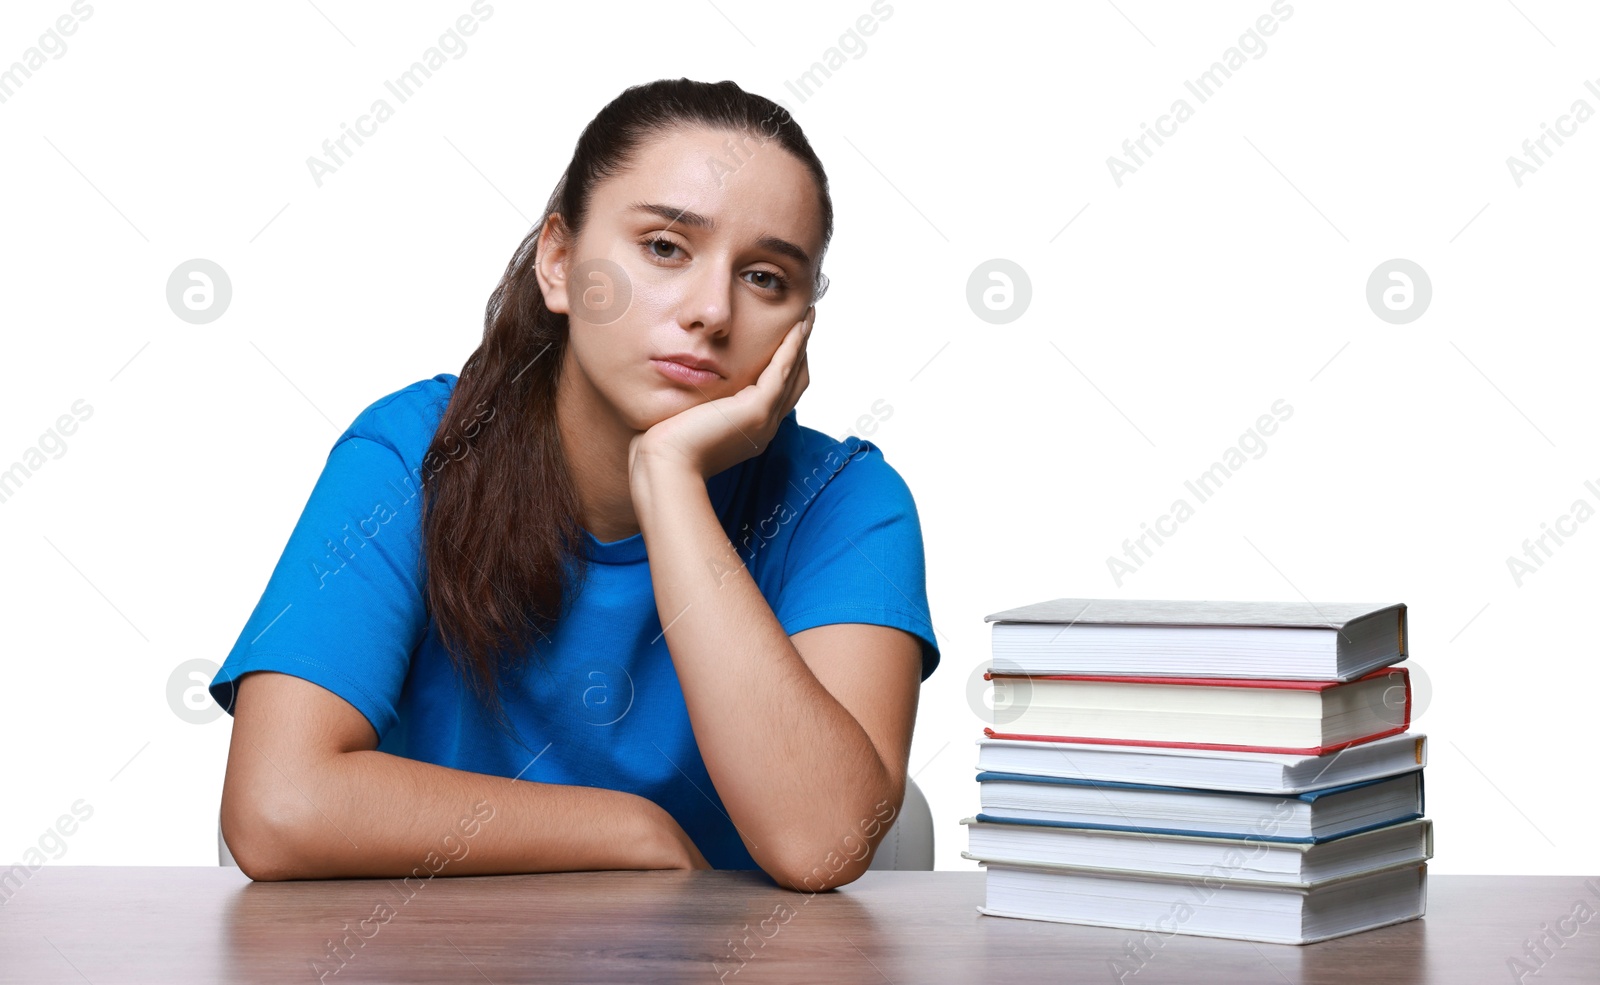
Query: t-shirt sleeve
x=344 y=607
x=856 y=556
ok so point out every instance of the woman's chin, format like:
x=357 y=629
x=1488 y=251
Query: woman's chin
x=661 y=406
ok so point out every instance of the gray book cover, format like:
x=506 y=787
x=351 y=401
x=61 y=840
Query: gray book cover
x=1192 y=612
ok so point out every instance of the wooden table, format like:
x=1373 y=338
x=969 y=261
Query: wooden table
x=106 y=925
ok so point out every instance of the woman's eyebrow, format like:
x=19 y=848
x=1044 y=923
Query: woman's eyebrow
x=675 y=215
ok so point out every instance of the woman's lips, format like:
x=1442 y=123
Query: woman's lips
x=680 y=373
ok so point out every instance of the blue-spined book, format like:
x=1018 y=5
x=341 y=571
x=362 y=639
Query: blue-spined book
x=1208 y=769
x=1311 y=817
x=1293 y=863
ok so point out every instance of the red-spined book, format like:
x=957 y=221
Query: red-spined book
x=1310 y=718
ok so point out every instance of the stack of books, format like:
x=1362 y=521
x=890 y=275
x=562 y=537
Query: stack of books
x=1225 y=769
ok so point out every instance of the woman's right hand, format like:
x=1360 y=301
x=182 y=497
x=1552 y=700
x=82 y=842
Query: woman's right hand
x=674 y=849
x=696 y=860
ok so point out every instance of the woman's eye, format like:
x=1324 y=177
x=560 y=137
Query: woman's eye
x=652 y=245
x=769 y=281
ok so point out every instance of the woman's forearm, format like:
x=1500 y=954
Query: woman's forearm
x=798 y=774
x=366 y=813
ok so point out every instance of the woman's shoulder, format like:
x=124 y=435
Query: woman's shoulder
x=810 y=461
x=406 y=419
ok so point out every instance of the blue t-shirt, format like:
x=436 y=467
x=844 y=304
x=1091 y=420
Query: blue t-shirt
x=827 y=529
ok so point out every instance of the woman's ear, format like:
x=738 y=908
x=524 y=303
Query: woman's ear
x=553 y=264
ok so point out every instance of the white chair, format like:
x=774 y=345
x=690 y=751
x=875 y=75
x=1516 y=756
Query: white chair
x=224 y=857
x=907 y=845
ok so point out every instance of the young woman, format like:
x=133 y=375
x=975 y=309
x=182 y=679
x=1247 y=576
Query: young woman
x=601 y=602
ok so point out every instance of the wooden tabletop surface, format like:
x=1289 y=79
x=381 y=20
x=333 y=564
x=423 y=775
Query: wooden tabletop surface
x=105 y=925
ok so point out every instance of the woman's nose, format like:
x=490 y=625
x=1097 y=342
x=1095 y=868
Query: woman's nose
x=707 y=300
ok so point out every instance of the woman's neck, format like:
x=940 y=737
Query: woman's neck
x=595 y=442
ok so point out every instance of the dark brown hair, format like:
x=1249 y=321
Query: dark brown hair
x=503 y=536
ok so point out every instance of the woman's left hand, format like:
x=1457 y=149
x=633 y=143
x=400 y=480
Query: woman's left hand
x=714 y=436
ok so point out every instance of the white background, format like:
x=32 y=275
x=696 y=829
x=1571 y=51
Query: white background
x=1228 y=272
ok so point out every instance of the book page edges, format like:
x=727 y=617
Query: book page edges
x=1292 y=887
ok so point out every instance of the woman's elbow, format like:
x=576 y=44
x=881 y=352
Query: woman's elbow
x=814 y=875
x=261 y=838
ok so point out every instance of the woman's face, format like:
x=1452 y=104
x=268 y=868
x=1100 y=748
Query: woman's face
x=707 y=247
